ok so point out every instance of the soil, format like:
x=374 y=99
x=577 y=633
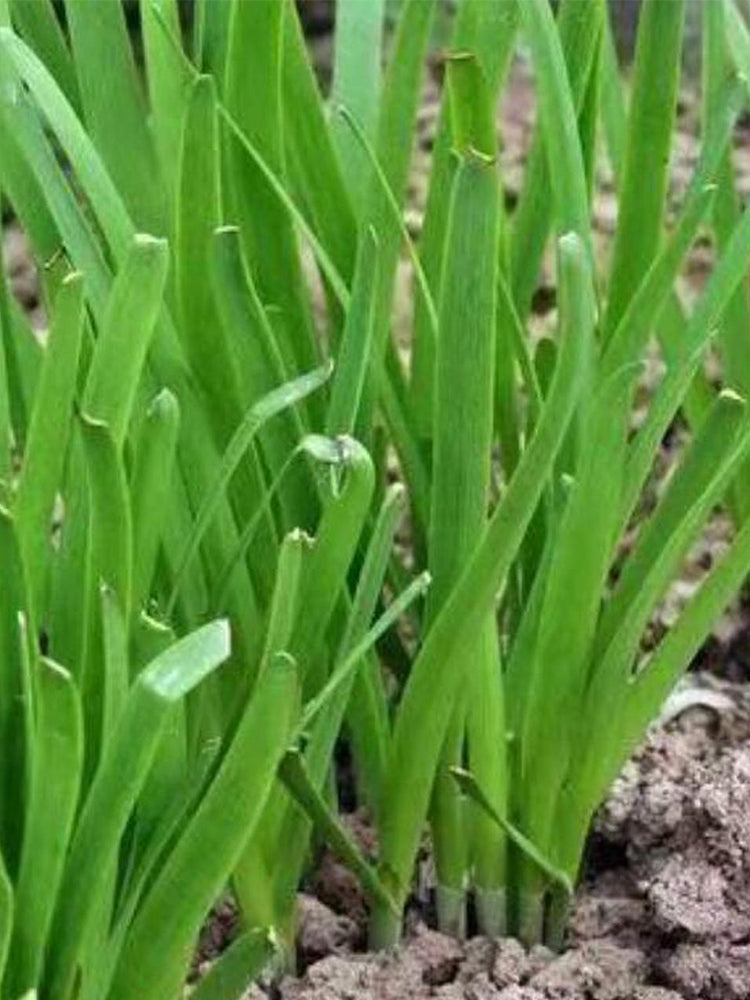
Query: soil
x=663 y=912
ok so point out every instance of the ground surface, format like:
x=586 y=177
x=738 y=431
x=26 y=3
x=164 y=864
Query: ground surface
x=664 y=912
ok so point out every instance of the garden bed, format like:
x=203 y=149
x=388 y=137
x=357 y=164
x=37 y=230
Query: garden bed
x=663 y=914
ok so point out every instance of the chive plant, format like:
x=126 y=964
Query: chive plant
x=151 y=477
x=211 y=422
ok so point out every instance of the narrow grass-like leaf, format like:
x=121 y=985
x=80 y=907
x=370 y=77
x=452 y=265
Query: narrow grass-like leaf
x=253 y=96
x=51 y=420
x=398 y=107
x=368 y=702
x=567 y=175
x=151 y=485
x=463 y=429
x=470 y=787
x=471 y=108
x=198 y=214
x=639 y=701
x=577 y=574
x=650 y=125
x=15 y=695
x=235 y=969
x=729 y=271
x=379 y=174
x=726 y=212
x=313 y=166
x=338 y=534
x=6 y=915
x=620 y=651
x=426 y=705
x=488 y=30
x=168 y=82
x=117 y=783
x=293 y=773
x=256 y=357
x=125 y=336
x=356 y=82
x=111 y=541
x=355 y=687
x=210 y=36
x=50 y=185
x=37 y=22
x=116 y=673
x=158 y=948
x=6 y=424
x=694 y=473
x=354 y=352
x=113 y=106
x=275 y=402
x=580 y=28
x=416 y=589
x=600 y=754
x=53 y=794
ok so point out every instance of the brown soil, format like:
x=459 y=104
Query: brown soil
x=663 y=914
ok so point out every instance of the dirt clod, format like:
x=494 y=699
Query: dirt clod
x=322 y=932
x=511 y=963
x=600 y=970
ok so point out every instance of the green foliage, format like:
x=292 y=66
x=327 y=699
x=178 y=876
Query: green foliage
x=202 y=446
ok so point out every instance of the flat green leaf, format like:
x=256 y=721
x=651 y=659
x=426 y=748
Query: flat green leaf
x=339 y=531
x=650 y=127
x=698 y=466
x=729 y=271
x=117 y=783
x=269 y=406
x=462 y=441
x=558 y=117
x=354 y=351
x=398 y=109
x=151 y=490
x=577 y=575
x=159 y=946
x=470 y=787
x=488 y=30
x=51 y=420
x=111 y=520
x=6 y=914
x=15 y=695
x=198 y=214
x=472 y=107
x=116 y=674
x=356 y=81
x=114 y=107
x=168 y=82
x=255 y=356
x=37 y=22
x=253 y=98
x=236 y=968
x=428 y=698
x=53 y=794
x=294 y=774
x=127 y=328
x=580 y=29
x=313 y=166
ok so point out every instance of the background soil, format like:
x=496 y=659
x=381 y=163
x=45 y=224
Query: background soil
x=663 y=912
